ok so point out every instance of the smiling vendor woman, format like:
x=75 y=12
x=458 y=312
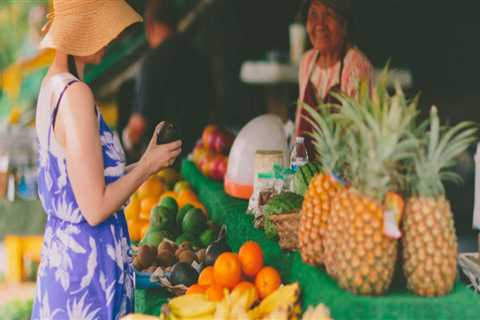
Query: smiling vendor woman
x=333 y=65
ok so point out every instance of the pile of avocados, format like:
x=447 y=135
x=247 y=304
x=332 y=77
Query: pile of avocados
x=188 y=224
x=176 y=241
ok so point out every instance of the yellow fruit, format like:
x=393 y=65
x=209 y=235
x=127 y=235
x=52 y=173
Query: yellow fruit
x=146 y=206
x=145 y=225
x=182 y=185
x=135 y=230
x=429 y=246
x=313 y=220
x=152 y=188
x=169 y=175
x=132 y=210
x=357 y=253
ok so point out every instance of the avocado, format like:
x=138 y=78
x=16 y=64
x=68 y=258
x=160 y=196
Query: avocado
x=183 y=273
x=181 y=213
x=162 y=218
x=215 y=249
x=154 y=238
x=170 y=203
x=185 y=237
x=167 y=134
x=194 y=222
x=207 y=237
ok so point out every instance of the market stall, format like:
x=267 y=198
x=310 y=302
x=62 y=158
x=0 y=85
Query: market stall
x=317 y=286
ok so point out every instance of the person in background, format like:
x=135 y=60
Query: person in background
x=174 y=83
x=333 y=65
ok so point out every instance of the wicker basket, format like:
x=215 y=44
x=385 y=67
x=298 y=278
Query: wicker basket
x=287 y=229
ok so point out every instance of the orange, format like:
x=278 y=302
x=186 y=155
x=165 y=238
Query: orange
x=169 y=175
x=206 y=277
x=215 y=292
x=152 y=188
x=227 y=270
x=186 y=196
x=134 y=229
x=146 y=205
x=145 y=225
x=196 y=288
x=245 y=285
x=267 y=281
x=251 y=258
x=132 y=210
x=181 y=186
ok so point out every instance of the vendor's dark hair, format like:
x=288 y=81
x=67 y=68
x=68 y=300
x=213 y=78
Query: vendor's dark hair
x=347 y=17
x=164 y=11
x=72 y=67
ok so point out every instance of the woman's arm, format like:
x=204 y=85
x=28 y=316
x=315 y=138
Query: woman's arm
x=131 y=167
x=83 y=150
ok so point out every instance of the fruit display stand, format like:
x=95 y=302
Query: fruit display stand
x=316 y=285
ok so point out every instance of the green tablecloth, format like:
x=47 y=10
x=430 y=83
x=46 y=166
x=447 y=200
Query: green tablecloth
x=316 y=286
x=21 y=218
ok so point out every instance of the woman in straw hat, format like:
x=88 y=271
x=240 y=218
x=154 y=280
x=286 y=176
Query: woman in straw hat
x=86 y=270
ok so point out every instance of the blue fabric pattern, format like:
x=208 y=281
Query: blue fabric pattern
x=85 y=272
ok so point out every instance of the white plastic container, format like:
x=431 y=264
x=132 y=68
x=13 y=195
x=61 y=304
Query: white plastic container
x=265 y=132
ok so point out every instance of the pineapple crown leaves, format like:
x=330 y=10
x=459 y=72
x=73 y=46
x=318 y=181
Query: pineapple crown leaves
x=380 y=138
x=328 y=137
x=440 y=147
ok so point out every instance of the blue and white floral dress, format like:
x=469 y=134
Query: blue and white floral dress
x=85 y=272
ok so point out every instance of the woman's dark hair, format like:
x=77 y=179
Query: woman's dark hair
x=346 y=14
x=164 y=11
x=72 y=67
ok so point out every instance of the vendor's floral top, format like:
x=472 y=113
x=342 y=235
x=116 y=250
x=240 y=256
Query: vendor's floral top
x=85 y=272
x=356 y=68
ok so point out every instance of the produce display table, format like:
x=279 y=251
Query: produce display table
x=316 y=285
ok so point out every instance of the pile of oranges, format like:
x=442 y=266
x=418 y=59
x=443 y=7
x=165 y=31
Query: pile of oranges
x=166 y=183
x=240 y=271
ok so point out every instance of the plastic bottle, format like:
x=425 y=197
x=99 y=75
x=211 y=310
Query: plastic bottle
x=298 y=155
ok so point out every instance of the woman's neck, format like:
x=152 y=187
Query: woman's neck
x=328 y=59
x=60 y=65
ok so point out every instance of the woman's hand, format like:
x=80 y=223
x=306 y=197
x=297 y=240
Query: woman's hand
x=157 y=157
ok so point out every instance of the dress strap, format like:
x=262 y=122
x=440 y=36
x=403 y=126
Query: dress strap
x=55 y=110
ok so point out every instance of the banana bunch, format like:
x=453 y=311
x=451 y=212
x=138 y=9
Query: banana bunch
x=235 y=306
x=279 y=305
x=189 y=307
x=319 y=313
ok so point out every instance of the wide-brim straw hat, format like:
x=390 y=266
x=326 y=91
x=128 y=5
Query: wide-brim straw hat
x=83 y=27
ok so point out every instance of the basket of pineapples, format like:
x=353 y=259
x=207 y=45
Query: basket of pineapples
x=376 y=142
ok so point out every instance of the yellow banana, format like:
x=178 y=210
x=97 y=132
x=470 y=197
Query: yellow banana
x=194 y=305
x=284 y=297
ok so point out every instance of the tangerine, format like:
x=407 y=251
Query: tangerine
x=267 y=281
x=146 y=205
x=215 y=292
x=207 y=277
x=227 y=270
x=152 y=188
x=196 y=288
x=251 y=258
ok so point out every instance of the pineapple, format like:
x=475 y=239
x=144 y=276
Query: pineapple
x=429 y=241
x=323 y=187
x=357 y=252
